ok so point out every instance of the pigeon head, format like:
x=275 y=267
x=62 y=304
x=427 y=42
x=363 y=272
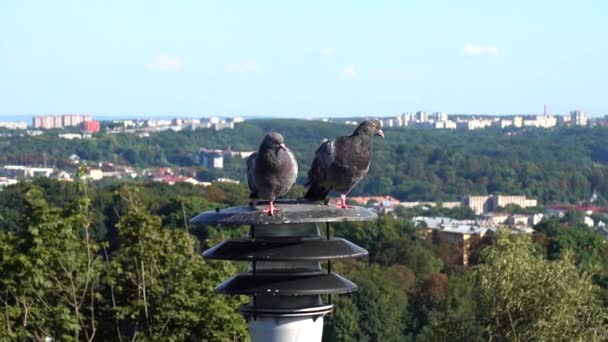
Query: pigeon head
x=273 y=141
x=370 y=127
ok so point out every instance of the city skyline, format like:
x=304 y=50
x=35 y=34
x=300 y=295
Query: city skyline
x=267 y=59
x=28 y=118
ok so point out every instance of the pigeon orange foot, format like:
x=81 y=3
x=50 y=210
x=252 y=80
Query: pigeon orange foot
x=271 y=209
x=343 y=204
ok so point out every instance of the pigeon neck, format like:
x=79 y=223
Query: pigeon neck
x=362 y=137
x=272 y=156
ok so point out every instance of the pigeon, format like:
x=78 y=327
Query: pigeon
x=341 y=163
x=271 y=171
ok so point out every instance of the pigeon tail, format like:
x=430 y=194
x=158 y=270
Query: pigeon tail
x=316 y=192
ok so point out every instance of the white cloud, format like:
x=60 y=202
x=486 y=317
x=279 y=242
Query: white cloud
x=349 y=71
x=165 y=62
x=328 y=51
x=244 y=67
x=480 y=50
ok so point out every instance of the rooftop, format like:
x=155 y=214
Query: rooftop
x=450 y=225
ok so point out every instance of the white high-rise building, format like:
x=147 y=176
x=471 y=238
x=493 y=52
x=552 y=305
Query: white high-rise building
x=440 y=116
x=422 y=116
x=578 y=117
x=399 y=121
x=518 y=121
x=407 y=118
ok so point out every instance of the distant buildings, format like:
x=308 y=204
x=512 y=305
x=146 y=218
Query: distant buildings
x=227 y=180
x=387 y=204
x=219 y=124
x=512 y=220
x=540 y=121
x=463 y=236
x=363 y=200
x=422 y=117
x=172 y=180
x=95 y=174
x=4 y=182
x=440 y=116
x=59 y=121
x=480 y=205
x=13 y=125
x=578 y=118
x=471 y=124
x=20 y=171
x=176 y=124
x=214 y=159
x=394 y=202
x=72 y=136
x=561 y=209
x=460 y=239
x=486 y=204
x=157 y=122
x=90 y=126
x=441 y=120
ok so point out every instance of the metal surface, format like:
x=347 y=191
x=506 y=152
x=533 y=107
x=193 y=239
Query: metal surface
x=290 y=211
x=247 y=309
x=286 y=329
x=281 y=249
x=286 y=285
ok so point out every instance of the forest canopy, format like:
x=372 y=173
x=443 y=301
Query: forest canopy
x=565 y=164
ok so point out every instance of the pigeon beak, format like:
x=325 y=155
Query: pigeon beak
x=281 y=147
x=380 y=133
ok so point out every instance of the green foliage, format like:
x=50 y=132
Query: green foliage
x=402 y=264
x=136 y=271
x=377 y=312
x=57 y=282
x=589 y=250
x=530 y=299
x=459 y=318
x=565 y=165
x=161 y=288
x=49 y=271
x=343 y=325
x=392 y=241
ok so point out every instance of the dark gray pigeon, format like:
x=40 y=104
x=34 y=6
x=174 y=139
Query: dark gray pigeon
x=271 y=171
x=341 y=163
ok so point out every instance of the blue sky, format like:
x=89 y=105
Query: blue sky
x=302 y=59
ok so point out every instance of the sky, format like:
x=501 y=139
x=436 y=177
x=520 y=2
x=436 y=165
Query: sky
x=302 y=58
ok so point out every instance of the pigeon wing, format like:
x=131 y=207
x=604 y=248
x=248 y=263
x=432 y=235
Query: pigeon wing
x=324 y=157
x=251 y=173
x=294 y=166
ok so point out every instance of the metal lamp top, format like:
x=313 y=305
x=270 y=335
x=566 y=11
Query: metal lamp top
x=290 y=211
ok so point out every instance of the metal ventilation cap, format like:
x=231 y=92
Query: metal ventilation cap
x=290 y=211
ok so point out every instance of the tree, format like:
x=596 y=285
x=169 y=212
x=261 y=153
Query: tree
x=432 y=292
x=49 y=272
x=459 y=318
x=381 y=301
x=160 y=288
x=527 y=298
x=343 y=325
